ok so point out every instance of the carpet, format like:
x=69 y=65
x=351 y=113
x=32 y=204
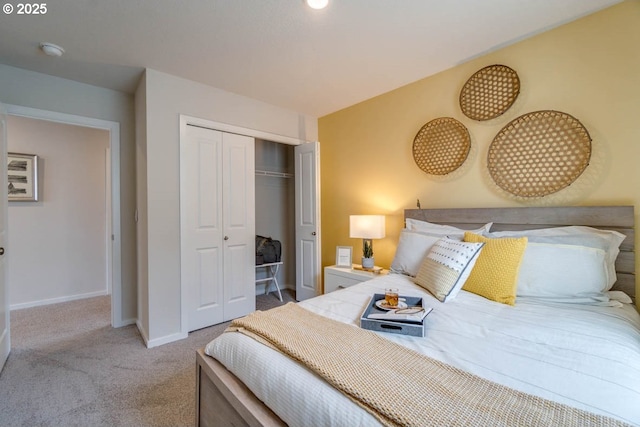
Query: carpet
x=69 y=367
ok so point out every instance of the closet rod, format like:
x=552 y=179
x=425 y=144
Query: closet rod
x=274 y=174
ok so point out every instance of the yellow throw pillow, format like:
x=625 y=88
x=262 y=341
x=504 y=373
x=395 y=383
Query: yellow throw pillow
x=495 y=274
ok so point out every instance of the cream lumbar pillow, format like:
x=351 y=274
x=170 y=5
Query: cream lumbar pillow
x=495 y=274
x=447 y=266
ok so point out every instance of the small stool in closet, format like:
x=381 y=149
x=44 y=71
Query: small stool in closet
x=272 y=271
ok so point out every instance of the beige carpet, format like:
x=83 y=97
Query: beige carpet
x=68 y=367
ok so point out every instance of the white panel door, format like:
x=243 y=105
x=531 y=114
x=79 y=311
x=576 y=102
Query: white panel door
x=307 y=221
x=201 y=226
x=217 y=217
x=238 y=209
x=5 y=338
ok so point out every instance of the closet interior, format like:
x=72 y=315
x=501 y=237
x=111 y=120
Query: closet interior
x=275 y=208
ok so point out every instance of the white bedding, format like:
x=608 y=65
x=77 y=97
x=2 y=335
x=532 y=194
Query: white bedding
x=586 y=356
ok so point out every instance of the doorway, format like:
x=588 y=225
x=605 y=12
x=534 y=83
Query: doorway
x=111 y=229
x=275 y=210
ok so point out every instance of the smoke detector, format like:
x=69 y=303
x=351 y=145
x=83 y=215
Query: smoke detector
x=51 y=49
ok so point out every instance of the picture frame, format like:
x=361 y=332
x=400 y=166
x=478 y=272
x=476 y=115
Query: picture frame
x=344 y=256
x=22 y=177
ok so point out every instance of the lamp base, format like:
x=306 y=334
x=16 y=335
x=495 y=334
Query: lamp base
x=367 y=262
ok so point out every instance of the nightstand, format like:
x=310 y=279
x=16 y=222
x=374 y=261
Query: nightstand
x=343 y=277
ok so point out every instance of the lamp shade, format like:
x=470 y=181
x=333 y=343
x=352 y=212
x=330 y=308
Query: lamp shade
x=366 y=226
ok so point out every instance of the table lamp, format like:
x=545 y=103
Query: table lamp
x=366 y=227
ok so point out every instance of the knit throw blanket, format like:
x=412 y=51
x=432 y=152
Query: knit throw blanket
x=399 y=386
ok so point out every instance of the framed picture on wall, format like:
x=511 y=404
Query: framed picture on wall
x=22 y=177
x=343 y=256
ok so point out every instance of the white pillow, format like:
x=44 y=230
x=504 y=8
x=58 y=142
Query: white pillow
x=412 y=248
x=416 y=240
x=443 y=230
x=607 y=240
x=557 y=270
x=619 y=296
x=447 y=266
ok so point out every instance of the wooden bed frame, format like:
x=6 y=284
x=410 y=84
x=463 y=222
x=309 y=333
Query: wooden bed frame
x=223 y=400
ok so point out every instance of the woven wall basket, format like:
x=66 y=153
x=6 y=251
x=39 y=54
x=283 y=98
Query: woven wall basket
x=441 y=146
x=489 y=92
x=539 y=153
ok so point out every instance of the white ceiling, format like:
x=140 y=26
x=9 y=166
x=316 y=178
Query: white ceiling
x=277 y=51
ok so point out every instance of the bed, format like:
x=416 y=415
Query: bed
x=581 y=353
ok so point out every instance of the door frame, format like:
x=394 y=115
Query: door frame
x=113 y=230
x=5 y=314
x=224 y=127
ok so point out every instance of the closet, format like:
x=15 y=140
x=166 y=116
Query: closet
x=236 y=183
x=275 y=208
x=217 y=192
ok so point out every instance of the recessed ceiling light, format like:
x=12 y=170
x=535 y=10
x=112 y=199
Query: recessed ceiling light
x=318 y=4
x=51 y=49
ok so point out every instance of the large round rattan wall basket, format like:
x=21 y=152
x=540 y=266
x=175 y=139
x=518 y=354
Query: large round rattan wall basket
x=539 y=153
x=441 y=146
x=489 y=92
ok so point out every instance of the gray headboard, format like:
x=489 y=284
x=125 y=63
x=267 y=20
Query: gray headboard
x=619 y=218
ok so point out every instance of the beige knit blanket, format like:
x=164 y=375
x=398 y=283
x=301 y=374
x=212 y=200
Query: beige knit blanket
x=399 y=386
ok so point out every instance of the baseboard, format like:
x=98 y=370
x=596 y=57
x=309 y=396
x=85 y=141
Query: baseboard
x=126 y=322
x=5 y=347
x=57 y=300
x=150 y=343
x=143 y=333
x=162 y=340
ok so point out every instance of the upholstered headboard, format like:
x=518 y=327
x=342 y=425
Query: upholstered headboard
x=619 y=218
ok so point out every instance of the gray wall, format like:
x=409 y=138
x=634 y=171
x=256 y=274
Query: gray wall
x=35 y=90
x=59 y=243
x=166 y=98
x=141 y=203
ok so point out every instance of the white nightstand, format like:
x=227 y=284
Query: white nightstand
x=342 y=277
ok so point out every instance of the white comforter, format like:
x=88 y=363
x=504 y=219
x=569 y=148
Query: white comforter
x=580 y=355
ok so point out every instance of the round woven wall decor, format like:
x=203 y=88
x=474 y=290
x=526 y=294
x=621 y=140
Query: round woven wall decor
x=489 y=92
x=539 y=153
x=441 y=146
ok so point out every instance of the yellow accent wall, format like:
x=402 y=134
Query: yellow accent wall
x=589 y=68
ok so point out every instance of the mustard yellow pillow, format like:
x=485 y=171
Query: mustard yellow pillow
x=495 y=274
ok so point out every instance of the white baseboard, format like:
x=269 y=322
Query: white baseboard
x=163 y=340
x=126 y=322
x=5 y=347
x=143 y=333
x=260 y=290
x=158 y=341
x=56 y=300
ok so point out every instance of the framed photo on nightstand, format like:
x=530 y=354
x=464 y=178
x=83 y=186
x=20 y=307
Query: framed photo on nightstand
x=343 y=256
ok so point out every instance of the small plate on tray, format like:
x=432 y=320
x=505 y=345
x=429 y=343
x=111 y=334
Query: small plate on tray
x=382 y=305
